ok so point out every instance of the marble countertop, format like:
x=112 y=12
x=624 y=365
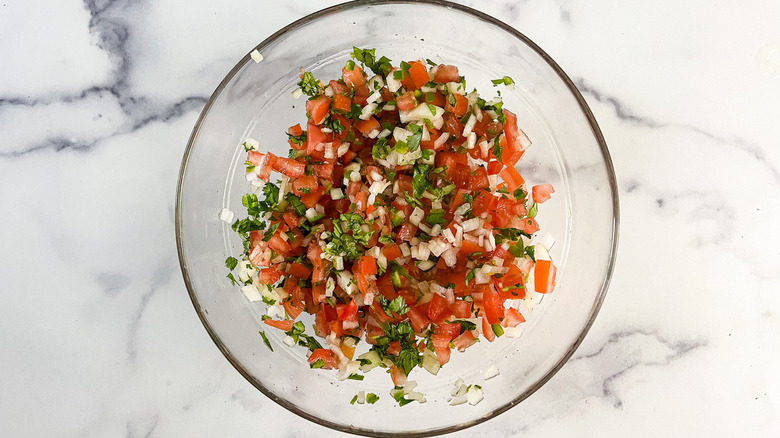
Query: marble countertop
x=97 y=101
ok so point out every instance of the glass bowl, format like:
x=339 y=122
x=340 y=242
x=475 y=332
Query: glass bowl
x=254 y=100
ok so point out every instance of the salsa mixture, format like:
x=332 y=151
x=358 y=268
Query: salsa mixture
x=400 y=221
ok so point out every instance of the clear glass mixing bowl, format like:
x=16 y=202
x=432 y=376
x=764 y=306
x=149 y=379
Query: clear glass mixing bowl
x=254 y=100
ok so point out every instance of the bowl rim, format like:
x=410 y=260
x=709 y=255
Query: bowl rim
x=596 y=133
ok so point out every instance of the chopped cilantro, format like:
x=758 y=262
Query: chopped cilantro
x=296 y=204
x=436 y=216
x=367 y=57
x=529 y=251
x=506 y=80
x=297 y=139
x=309 y=85
x=265 y=339
x=533 y=210
x=232 y=279
x=398 y=395
x=420 y=179
x=465 y=325
x=497 y=152
x=387 y=240
x=408 y=358
x=231 y=263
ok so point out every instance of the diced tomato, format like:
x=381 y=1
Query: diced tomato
x=443 y=354
x=461 y=309
x=361 y=95
x=516 y=140
x=487 y=330
x=254 y=157
x=353 y=78
x=325 y=170
x=304 y=185
x=494 y=167
x=279 y=245
x=291 y=219
x=406 y=101
x=269 y=275
x=314 y=138
x=460 y=106
x=257 y=257
x=338 y=87
x=512 y=318
x=284 y=326
x=348 y=312
x=406 y=232
x=448 y=329
x=365 y=265
x=445 y=73
x=494 y=306
x=293 y=309
x=291 y=168
x=438 y=309
x=312 y=197
x=295 y=130
x=479 y=179
x=418 y=74
x=541 y=192
x=300 y=271
x=366 y=126
x=317 y=108
x=544 y=276
x=483 y=202
x=313 y=253
x=465 y=340
x=512 y=177
x=528 y=225
x=397 y=375
x=418 y=320
x=326 y=356
x=454 y=127
x=361 y=201
x=393 y=348
x=468 y=248
x=320 y=272
x=342 y=103
x=434 y=98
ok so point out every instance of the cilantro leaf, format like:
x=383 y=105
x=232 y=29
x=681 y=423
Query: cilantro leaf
x=420 y=179
x=309 y=85
x=408 y=358
x=506 y=80
x=465 y=325
x=533 y=210
x=296 y=204
x=231 y=263
x=436 y=217
x=265 y=339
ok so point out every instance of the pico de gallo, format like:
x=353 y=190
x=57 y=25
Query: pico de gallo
x=400 y=220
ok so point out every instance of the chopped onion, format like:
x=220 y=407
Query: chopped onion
x=417 y=215
x=256 y=56
x=470 y=225
x=469 y=126
x=226 y=215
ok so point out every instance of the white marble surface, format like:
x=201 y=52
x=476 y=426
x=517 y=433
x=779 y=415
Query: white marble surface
x=97 y=100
